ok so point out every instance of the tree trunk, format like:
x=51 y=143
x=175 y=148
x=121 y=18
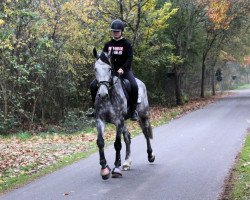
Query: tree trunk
x=203 y=77
x=5 y=98
x=43 y=115
x=138 y=20
x=178 y=94
x=33 y=112
x=213 y=77
x=210 y=41
x=213 y=83
x=121 y=9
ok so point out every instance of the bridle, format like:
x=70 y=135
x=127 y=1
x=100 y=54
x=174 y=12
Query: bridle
x=109 y=84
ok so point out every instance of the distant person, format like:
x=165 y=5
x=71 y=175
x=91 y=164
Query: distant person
x=218 y=74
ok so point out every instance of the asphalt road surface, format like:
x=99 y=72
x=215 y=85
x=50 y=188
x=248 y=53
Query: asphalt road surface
x=193 y=157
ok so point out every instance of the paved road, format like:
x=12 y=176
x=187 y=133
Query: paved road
x=193 y=156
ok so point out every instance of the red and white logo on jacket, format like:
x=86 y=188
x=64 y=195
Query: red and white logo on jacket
x=116 y=50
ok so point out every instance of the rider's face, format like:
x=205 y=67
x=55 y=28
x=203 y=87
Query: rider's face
x=116 y=34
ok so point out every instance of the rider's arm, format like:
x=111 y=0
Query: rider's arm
x=128 y=62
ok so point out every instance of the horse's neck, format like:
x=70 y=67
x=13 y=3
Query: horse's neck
x=117 y=89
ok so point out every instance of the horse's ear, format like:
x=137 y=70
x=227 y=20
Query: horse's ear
x=95 y=52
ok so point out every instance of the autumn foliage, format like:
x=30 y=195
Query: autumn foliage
x=46 y=51
x=219 y=14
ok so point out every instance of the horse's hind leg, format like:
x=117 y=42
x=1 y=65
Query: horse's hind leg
x=148 y=133
x=127 y=139
x=105 y=170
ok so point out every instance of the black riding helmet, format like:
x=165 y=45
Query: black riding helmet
x=117 y=25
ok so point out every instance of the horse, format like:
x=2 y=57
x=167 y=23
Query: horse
x=111 y=106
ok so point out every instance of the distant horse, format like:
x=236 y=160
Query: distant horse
x=111 y=106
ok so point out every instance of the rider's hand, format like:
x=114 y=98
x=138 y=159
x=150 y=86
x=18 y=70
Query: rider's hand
x=120 y=71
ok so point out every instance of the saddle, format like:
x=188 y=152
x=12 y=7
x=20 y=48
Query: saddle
x=126 y=86
x=126 y=89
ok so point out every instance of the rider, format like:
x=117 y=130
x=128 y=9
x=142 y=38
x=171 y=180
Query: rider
x=121 y=59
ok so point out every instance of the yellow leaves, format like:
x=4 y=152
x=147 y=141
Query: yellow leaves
x=2 y=22
x=218 y=13
x=226 y=56
x=6 y=44
x=150 y=5
x=8 y=11
x=159 y=18
x=175 y=59
x=164 y=15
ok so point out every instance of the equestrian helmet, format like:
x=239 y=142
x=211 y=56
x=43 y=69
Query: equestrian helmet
x=117 y=25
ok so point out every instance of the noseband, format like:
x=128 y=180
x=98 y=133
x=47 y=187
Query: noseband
x=108 y=84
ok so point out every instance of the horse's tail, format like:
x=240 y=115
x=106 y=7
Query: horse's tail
x=146 y=127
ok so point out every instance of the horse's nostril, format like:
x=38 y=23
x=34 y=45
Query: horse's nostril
x=103 y=96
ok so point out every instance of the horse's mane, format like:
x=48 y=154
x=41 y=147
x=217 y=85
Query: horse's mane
x=104 y=58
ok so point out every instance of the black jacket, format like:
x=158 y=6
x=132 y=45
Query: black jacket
x=121 y=53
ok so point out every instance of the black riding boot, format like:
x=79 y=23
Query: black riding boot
x=134 y=116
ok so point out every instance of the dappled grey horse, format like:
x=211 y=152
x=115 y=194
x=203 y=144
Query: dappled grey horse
x=111 y=106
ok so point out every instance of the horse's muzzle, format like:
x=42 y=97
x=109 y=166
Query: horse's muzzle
x=103 y=92
x=103 y=96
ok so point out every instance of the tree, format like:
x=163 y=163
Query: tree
x=218 y=25
x=182 y=33
x=18 y=69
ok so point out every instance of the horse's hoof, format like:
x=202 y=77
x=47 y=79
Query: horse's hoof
x=105 y=173
x=151 y=158
x=116 y=173
x=126 y=165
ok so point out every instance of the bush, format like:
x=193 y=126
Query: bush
x=185 y=97
x=6 y=124
x=76 y=121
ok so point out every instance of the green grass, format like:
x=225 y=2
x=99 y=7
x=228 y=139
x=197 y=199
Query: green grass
x=24 y=135
x=241 y=185
x=21 y=135
x=167 y=117
x=246 y=86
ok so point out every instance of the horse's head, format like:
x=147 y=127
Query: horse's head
x=103 y=74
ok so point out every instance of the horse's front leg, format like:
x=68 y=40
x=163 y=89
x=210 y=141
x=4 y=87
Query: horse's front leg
x=105 y=170
x=116 y=173
x=127 y=139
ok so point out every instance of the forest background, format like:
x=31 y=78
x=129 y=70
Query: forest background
x=46 y=61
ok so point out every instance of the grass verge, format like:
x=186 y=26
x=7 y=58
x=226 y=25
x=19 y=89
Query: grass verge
x=14 y=182
x=241 y=175
x=246 y=86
